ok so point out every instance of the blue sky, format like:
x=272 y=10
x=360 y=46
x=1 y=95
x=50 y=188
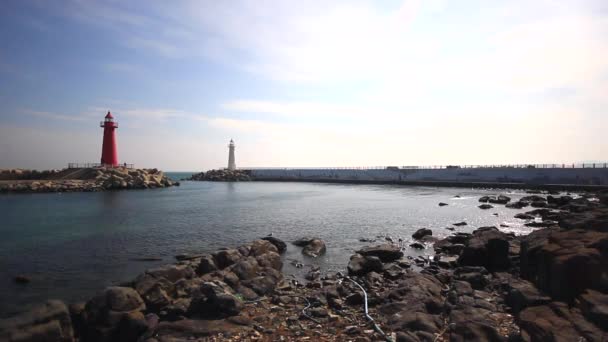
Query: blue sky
x=314 y=83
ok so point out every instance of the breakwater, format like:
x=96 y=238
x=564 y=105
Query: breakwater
x=76 y=179
x=545 y=176
x=221 y=175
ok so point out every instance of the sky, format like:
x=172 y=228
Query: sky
x=304 y=83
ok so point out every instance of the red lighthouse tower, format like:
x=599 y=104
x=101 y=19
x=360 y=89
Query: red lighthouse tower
x=109 y=150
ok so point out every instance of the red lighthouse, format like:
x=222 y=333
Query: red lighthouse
x=109 y=150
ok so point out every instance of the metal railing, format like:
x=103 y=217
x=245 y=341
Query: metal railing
x=433 y=167
x=111 y=124
x=96 y=165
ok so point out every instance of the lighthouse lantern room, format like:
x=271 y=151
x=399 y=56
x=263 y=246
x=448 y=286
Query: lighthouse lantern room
x=109 y=150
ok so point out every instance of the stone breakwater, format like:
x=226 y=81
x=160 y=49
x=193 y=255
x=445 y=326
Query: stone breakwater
x=24 y=174
x=85 y=179
x=482 y=286
x=221 y=176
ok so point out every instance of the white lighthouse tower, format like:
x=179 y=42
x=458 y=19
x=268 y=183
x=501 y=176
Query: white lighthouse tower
x=231 y=162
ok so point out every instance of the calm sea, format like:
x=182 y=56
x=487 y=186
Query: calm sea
x=74 y=244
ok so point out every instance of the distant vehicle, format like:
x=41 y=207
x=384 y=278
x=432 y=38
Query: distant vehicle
x=394 y=168
x=452 y=167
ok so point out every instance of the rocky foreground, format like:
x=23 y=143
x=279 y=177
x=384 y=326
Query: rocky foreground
x=82 y=179
x=551 y=285
x=223 y=175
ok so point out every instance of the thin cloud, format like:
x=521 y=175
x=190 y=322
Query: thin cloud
x=161 y=47
x=51 y=115
x=123 y=68
x=143 y=113
x=122 y=113
x=340 y=42
x=295 y=109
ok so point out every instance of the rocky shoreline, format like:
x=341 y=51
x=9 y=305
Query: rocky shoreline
x=82 y=179
x=223 y=175
x=550 y=285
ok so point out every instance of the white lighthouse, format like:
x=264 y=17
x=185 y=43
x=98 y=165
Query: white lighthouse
x=231 y=162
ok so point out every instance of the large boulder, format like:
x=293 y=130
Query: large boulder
x=157 y=298
x=46 y=322
x=264 y=284
x=420 y=233
x=218 y=302
x=117 y=299
x=540 y=323
x=416 y=321
x=517 y=205
x=315 y=248
x=533 y=198
x=590 y=220
x=246 y=268
x=524 y=216
x=271 y=260
x=206 y=265
x=487 y=247
x=226 y=257
x=594 y=306
x=484 y=199
x=500 y=199
x=246 y=293
x=172 y=273
x=477 y=276
x=155 y=291
x=565 y=263
x=538 y=204
x=131 y=327
x=259 y=247
x=361 y=265
x=111 y=315
x=473 y=324
x=303 y=241
x=279 y=244
x=453 y=244
x=385 y=252
x=557 y=322
x=531 y=245
x=415 y=304
x=579 y=205
x=522 y=294
x=559 y=201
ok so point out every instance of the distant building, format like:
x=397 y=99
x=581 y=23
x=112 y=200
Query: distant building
x=231 y=161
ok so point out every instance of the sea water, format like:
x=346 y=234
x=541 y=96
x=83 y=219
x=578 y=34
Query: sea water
x=73 y=245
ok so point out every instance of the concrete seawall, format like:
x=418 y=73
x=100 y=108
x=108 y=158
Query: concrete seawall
x=559 y=178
